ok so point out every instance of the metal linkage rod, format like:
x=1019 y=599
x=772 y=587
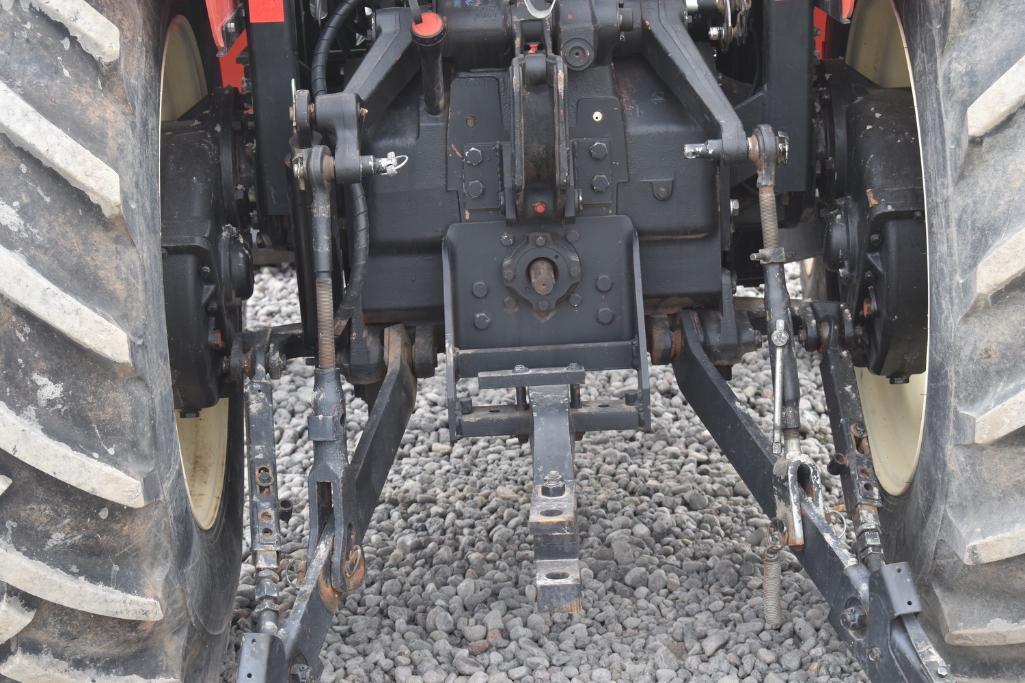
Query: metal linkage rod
x=265 y=531
x=793 y=471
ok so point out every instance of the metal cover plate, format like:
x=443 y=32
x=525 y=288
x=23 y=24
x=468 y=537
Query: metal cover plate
x=602 y=308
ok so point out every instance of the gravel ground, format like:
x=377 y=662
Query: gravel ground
x=670 y=547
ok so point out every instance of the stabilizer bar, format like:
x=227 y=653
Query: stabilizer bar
x=290 y=653
x=874 y=604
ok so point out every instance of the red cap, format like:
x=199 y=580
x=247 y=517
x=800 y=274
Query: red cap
x=430 y=26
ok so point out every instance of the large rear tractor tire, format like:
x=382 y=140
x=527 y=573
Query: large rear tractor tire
x=118 y=555
x=956 y=484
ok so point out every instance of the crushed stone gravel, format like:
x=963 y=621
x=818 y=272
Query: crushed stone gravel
x=670 y=546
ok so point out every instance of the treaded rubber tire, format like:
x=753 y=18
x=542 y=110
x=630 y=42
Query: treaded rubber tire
x=962 y=522
x=104 y=574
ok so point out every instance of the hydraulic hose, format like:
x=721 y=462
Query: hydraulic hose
x=359 y=222
x=328 y=34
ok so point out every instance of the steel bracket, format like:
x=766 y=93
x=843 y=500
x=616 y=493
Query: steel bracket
x=553 y=514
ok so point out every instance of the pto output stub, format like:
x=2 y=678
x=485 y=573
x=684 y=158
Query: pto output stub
x=543 y=270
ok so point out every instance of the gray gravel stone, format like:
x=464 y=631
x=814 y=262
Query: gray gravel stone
x=670 y=552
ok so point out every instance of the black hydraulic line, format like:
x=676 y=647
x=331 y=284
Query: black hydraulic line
x=328 y=34
x=359 y=221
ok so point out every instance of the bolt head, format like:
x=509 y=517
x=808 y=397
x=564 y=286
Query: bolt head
x=600 y=182
x=540 y=240
x=508 y=274
x=474 y=189
x=473 y=156
x=603 y=283
x=599 y=150
x=480 y=289
x=575 y=300
x=661 y=193
x=481 y=321
x=506 y=240
x=605 y=315
x=574 y=270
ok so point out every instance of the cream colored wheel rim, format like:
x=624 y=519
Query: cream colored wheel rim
x=202 y=439
x=894 y=413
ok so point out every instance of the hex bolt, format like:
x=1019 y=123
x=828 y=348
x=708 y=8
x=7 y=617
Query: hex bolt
x=572 y=236
x=575 y=300
x=263 y=476
x=599 y=150
x=662 y=193
x=553 y=485
x=600 y=182
x=506 y=239
x=508 y=274
x=605 y=315
x=473 y=156
x=481 y=321
x=540 y=241
x=574 y=270
x=853 y=619
x=603 y=283
x=475 y=189
x=480 y=289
